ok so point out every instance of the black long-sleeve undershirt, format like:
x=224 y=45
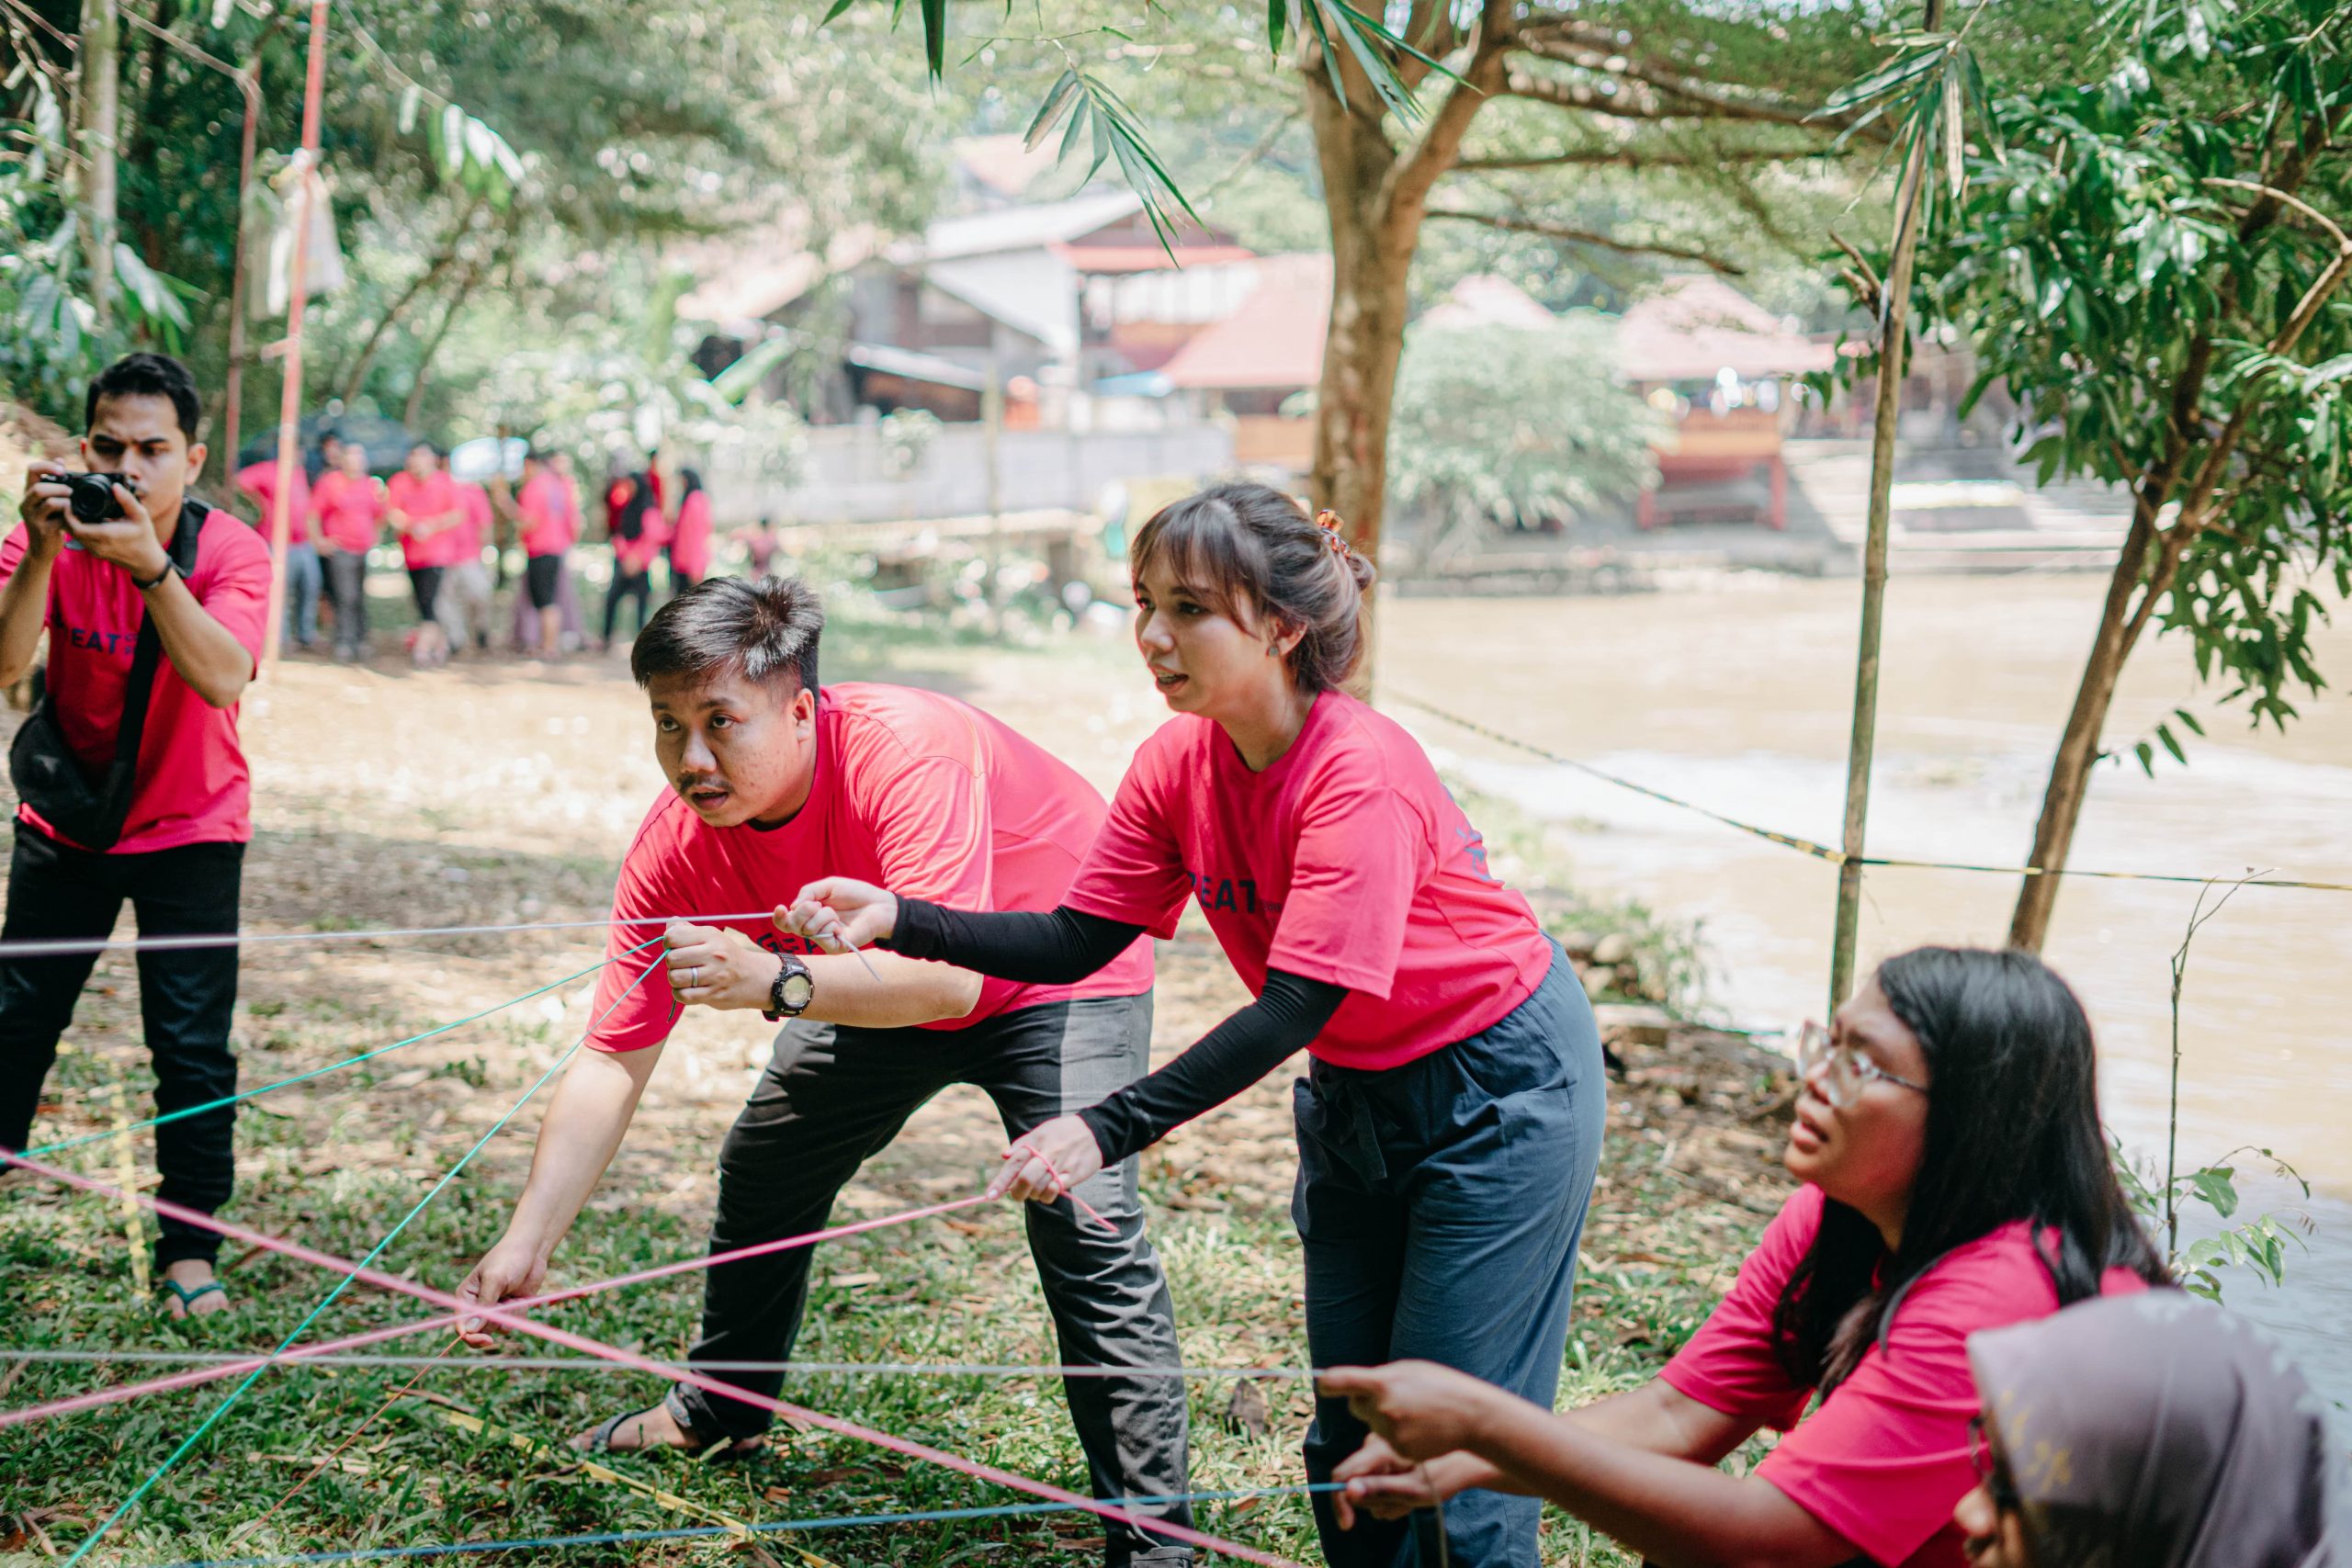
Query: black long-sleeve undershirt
x=1063 y=946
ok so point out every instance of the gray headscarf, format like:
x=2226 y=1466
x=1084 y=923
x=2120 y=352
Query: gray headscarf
x=2158 y=1431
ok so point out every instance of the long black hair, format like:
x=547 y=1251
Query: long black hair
x=2013 y=1133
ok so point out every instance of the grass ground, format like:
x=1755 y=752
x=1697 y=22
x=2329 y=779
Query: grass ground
x=502 y=793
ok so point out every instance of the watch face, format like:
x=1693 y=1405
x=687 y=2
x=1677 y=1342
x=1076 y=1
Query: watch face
x=797 y=990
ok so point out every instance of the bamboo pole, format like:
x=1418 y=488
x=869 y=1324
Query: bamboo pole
x=289 y=407
x=1894 y=319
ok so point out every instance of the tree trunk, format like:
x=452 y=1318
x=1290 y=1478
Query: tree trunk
x=1894 y=340
x=1372 y=253
x=432 y=347
x=100 y=91
x=441 y=263
x=2061 y=803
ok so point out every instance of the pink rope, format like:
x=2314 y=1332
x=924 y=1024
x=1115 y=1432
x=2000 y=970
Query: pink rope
x=122 y=1391
x=687 y=1375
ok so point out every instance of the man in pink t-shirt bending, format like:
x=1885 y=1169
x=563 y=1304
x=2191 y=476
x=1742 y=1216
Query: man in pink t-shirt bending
x=774 y=781
x=133 y=781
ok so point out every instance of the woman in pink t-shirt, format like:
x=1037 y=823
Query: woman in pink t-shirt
x=1956 y=1178
x=1450 y=1120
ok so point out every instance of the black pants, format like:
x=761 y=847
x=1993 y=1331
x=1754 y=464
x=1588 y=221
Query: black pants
x=637 y=585
x=186 y=997
x=347 y=587
x=833 y=1098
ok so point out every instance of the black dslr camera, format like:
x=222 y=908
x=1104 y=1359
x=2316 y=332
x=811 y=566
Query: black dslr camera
x=90 y=497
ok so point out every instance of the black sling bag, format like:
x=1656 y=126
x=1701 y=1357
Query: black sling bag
x=46 y=774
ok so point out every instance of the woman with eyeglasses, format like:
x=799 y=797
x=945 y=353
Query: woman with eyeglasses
x=2159 y=1431
x=1955 y=1178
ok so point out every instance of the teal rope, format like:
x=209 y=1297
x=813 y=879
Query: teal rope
x=189 y=1442
x=59 y=1147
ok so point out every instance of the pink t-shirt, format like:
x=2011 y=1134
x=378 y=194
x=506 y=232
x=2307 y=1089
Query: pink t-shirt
x=435 y=495
x=351 y=511
x=193 y=785
x=260 y=481
x=915 y=790
x=474 y=532
x=1884 y=1460
x=1345 y=862
x=549 y=524
x=690 y=544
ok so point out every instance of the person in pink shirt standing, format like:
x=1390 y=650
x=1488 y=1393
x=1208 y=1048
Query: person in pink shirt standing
x=465 y=598
x=1956 y=1178
x=690 y=534
x=1451 y=1116
x=129 y=776
x=551 y=527
x=773 y=777
x=351 y=507
x=259 y=481
x=430 y=519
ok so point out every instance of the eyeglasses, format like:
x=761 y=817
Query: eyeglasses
x=1991 y=1474
x=1848 y=1071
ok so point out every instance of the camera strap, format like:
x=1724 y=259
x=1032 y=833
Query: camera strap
x=145 y=656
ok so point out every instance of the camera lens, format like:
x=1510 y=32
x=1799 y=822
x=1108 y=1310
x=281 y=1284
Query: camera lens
x=92 y=498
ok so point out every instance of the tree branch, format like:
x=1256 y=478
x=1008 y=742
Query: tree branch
x=1570 y=46
x=1587 y=237
x=1636 y=159
x=1410 y=182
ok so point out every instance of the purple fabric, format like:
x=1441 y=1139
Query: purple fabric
x=2159 y=1431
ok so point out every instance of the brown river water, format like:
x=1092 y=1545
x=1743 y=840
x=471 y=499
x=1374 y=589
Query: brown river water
x=1736 y=693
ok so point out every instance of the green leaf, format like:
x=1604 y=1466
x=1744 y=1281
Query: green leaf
x=2147 y=755
x=1058 y=100
x=1277 y=25
x=2163 y=733
x=2190 y=720
x=2213 y=1184
x=935 y=36
x=835 y=15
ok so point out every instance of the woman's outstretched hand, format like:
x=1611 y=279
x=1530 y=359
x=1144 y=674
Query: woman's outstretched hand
x=1382 y=1482
x=1047 y=1161
x=837 y=914
x=1420 y=1408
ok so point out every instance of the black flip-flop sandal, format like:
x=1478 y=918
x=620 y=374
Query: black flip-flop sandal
x=721 y=1450
x=188 y=1298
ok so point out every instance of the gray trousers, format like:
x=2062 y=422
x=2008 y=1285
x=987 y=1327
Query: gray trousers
x=835 y=1095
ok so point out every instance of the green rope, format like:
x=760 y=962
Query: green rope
x=59 y=1147
x=189 y=1442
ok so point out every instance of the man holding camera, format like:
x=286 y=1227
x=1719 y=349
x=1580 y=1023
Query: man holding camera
x=133 y=783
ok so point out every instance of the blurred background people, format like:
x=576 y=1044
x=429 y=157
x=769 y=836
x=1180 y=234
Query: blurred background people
x=351 y=507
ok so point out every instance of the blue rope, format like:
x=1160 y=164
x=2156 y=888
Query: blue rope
x=705 y=1533
x=189 y=1442
x=47 y=1149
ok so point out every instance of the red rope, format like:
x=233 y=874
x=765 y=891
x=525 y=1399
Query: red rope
x=687 y=1375
x=122 y=1391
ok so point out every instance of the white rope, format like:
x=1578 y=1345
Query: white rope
x=53 y=947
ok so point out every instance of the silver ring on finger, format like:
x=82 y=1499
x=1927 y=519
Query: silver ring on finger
x=694 y=974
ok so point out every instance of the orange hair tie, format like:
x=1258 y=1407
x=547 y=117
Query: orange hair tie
x=1333 y=531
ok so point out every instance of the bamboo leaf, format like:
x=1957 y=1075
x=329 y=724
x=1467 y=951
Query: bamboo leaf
x=935 y=36
x=1057 y=103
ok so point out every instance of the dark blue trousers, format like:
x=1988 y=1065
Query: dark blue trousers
x=1441 y=1204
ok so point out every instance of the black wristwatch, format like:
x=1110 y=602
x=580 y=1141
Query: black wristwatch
x=790 y=992
x=171 y=567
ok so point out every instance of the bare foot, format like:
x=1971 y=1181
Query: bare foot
x=200 y=1293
